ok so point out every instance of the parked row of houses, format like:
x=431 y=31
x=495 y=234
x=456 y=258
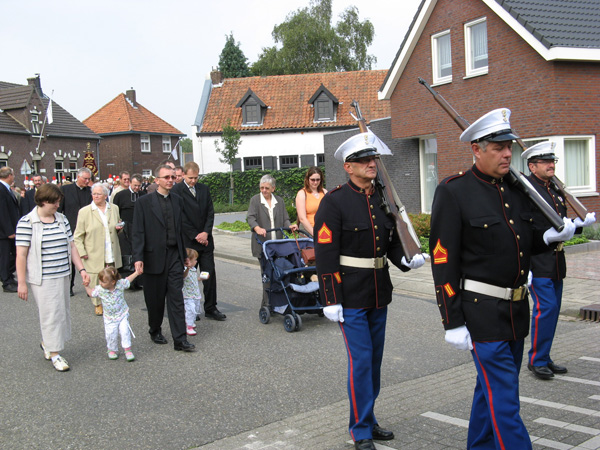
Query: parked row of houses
x=539 y=58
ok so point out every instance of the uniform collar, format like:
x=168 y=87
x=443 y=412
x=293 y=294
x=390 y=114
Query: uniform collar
x=539 y=180
x=359 y=189
x=487 y=178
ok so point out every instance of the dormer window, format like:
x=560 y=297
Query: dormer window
x=325 y=105
x=253 y=109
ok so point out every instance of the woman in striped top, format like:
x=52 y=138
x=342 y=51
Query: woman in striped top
x=45 y=249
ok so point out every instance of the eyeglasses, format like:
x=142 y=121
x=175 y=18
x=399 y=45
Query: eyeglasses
x=169 y=177
x=546 y=161
x=315 y=179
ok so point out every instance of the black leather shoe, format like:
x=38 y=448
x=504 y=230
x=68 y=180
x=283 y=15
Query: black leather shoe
x=159 y=339
x=10 y=288
x=556 y=368
x=542 y=372
x=215 y=314
x=379 y=434
x=184 y=346
x=364 y=444
x=71 y=293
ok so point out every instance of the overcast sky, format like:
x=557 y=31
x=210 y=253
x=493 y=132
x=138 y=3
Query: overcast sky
x=90 y=52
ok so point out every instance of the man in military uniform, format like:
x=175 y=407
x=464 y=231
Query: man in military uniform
x=483 y=234
x=355 y=239
x=549 y=268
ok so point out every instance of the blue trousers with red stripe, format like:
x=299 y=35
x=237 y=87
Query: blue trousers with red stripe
x=363 y=331
x=495 y=422
x=547 y=298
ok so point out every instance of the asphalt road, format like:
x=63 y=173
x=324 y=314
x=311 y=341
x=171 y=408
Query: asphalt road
x=243 y=376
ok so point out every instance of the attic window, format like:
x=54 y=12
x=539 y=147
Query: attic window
x=441 y=57
x=253 y=109
x=325 y=105
x=35 y=121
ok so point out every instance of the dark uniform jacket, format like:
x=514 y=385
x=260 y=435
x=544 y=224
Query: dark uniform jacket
x=482 y=229
x=351 y=222
x=551 y=263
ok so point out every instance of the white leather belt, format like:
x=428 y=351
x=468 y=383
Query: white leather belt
x=515 y=295
x=363 y=263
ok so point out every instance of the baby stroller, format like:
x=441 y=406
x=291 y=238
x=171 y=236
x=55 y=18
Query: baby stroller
x=292 y=288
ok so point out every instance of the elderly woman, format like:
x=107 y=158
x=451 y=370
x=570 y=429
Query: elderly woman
x=96 y=237
x=266 y=210
x=45 y=250
x=309 y=197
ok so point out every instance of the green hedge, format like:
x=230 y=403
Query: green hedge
x=288 y=182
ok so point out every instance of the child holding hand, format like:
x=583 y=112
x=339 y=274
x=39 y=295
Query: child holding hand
x=191 y=291
x=116 y=312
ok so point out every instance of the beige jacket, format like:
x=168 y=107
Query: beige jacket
x=89 y=237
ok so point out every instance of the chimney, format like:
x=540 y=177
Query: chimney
x=216 y=76
x=36 y=83
x=130 y=94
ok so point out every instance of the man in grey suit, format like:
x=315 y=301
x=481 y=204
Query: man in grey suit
x=158 y=252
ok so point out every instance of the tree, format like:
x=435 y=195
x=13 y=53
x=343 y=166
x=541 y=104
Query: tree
x=310 y=44
x=186 y=145
x=231 y=140
x=232 y=61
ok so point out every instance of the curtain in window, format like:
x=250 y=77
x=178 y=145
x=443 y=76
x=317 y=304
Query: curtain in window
x=479 y=52
x=444 y=56
x=429 y=171
x=576 y=162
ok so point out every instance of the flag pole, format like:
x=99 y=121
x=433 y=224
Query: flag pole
x=49 y=108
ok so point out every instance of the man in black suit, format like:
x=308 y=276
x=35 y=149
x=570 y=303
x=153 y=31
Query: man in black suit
x=158 y=252
x=28 y=202
x=76 y=196
x=126 y=199
x=198 y=219
x=9 y=216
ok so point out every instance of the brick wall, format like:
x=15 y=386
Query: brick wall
x=21 y=148
x=402 y=167
x=123 y=152
x=546 y=98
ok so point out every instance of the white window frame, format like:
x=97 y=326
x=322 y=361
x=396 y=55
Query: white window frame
x=435 y=59
x=587 y=190
x=146 y=173
x=145 y=140
x=469 y=63
x=166 y=144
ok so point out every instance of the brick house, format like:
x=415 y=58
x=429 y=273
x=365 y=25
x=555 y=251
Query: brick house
x=541 y=59
x=29 y=144
x=133 y=138
x=282 y=119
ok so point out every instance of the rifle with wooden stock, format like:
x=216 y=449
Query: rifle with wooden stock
x=391 y=203
x=514 y=177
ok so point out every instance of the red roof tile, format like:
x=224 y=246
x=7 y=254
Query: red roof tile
x=120 y=116
x=287 y=98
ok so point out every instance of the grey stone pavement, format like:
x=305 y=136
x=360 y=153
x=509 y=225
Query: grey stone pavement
x=254 y=386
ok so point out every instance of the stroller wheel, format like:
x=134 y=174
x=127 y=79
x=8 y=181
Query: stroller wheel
x=289 y=323
x=298 y=323
x=264 y=315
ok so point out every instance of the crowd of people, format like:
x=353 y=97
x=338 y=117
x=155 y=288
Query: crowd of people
x=491 y=249
x=109 y=234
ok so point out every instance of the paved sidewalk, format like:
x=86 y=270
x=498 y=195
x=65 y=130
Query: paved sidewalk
x=432 y=412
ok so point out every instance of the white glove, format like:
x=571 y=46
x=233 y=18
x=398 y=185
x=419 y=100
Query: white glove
x=529 y=278
x=590 y=218
x=459 y=338
x=416 y=262
x=335 y=313
x=551 y=235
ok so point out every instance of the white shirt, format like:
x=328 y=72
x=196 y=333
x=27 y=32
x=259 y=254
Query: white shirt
x=108 y=253
x=270 y=210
